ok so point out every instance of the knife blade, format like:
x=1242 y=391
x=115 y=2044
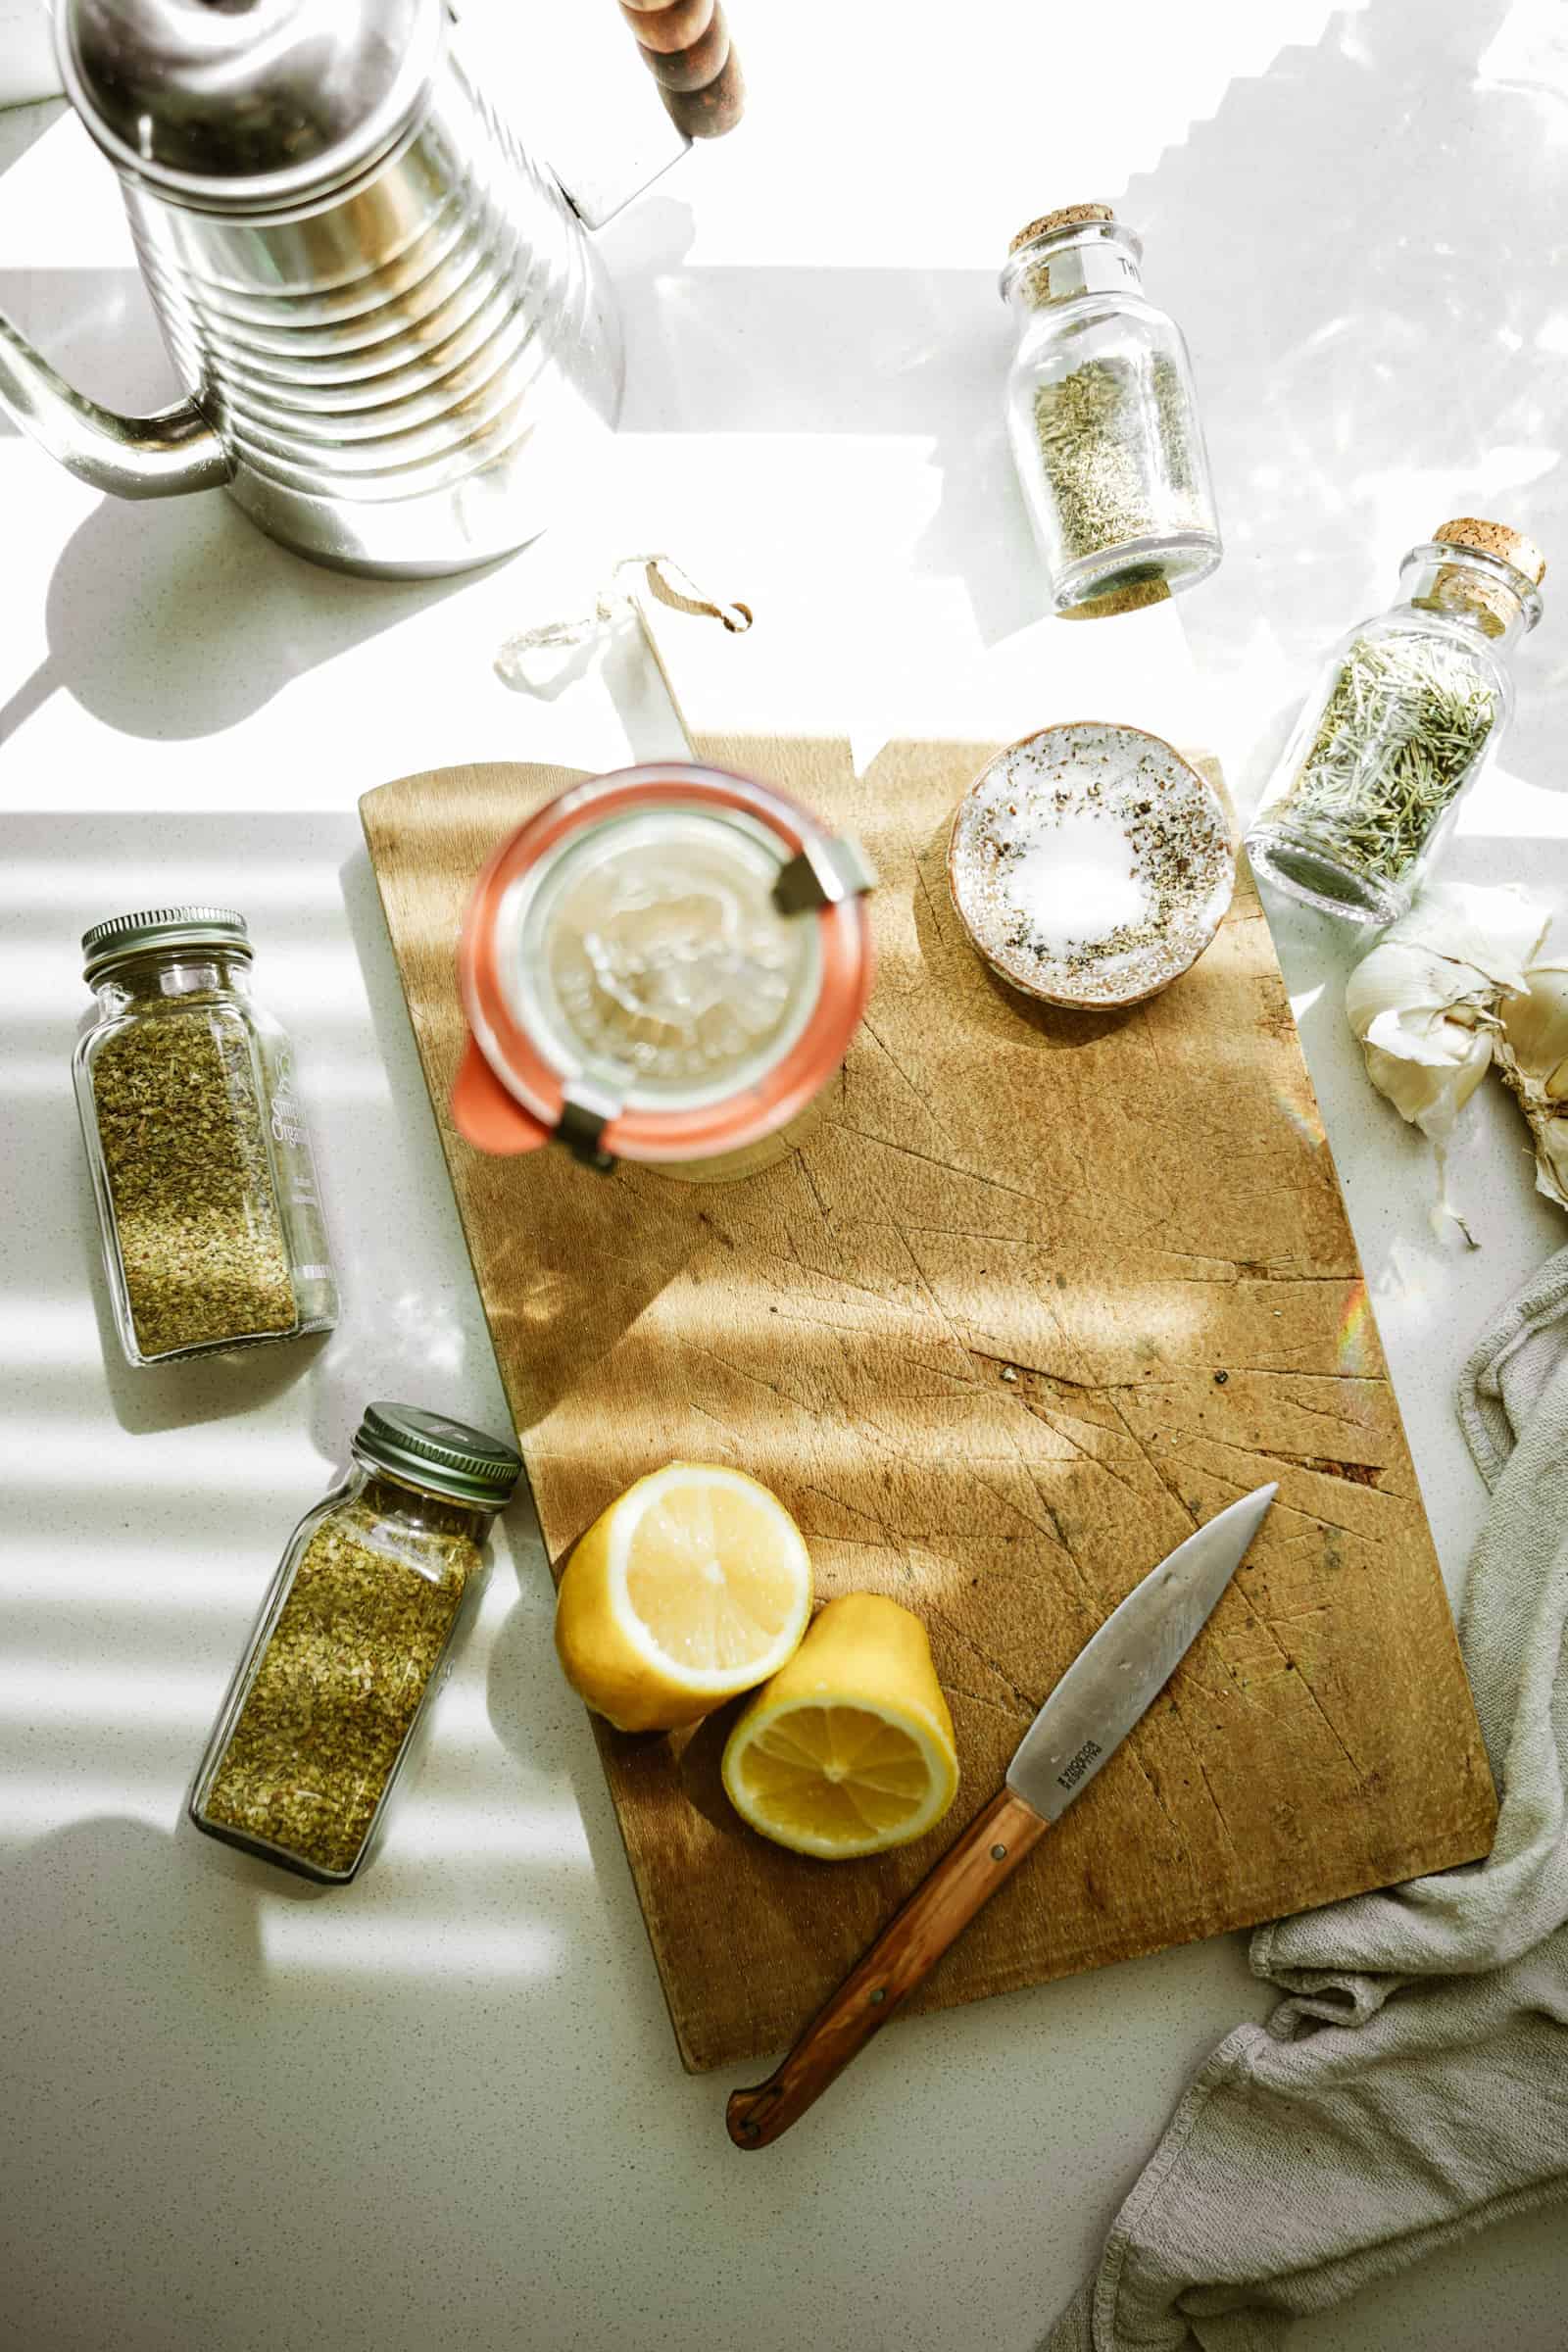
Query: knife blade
x=1119 y=1673
x=1109 y=1686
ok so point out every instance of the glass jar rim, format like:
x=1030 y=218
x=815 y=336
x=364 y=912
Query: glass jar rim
x=1060 y=239
x=674 y=1132
x=1429 y=552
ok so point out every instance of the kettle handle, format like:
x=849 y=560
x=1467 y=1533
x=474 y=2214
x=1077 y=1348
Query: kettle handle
x=685 y=45
x=136 y=457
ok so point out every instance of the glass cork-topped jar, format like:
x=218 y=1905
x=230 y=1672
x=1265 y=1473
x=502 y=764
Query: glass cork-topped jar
x=663 y=965
x=1409 y=707
x=372 y=1589
x=1102 y=418
x=205 y=1185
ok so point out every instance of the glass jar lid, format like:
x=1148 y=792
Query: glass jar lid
x=122 y=935
x=673 y=953
x=449 y=1457
x=647 y=953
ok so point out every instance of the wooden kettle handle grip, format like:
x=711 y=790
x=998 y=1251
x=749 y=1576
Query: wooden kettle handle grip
x=685 y=45
x=902 y=1958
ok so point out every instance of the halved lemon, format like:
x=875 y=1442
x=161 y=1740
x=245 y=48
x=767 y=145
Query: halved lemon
x=695 y=1585
x=849 y=1749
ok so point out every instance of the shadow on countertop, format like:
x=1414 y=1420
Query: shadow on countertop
x=1355 y=246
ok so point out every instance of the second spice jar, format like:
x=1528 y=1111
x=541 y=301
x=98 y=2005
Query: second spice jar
x=369 y=1594
x=203 y=1177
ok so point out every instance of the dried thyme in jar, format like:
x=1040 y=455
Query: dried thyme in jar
x=202 y=1170
x=1095 y=430
x=1409 y=708
x=316 y=1723
x=1104 y=418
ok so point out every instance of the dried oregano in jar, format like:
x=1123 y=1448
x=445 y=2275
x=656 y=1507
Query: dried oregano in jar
x=316 y=1722
x=202 y=1168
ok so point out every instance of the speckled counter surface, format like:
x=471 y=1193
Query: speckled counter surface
x=444 y=2108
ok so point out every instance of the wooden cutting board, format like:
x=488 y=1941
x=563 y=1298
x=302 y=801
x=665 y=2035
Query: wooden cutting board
x=1045 y=1289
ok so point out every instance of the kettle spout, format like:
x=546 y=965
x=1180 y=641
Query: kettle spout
x=134 y=457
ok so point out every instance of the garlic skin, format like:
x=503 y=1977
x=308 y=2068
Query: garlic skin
x=1425 y=1004
x=1532 y=1050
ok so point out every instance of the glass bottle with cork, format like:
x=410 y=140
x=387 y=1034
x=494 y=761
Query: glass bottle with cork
x=1102 y=417
x=1409 y=707
x=370 y=1594
x=208 y=1204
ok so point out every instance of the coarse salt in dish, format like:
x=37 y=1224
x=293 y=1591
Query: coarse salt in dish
x=1091 y=864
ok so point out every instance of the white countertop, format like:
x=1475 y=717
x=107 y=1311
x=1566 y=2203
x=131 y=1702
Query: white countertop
x=445 y=2109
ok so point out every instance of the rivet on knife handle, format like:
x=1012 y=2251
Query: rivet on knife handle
x=901 y=1958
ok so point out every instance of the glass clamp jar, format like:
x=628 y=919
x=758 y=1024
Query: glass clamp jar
x=375 y=1582
x=663 y=965
x=1409 y=707
x=1102 y=417
x=205 y=1185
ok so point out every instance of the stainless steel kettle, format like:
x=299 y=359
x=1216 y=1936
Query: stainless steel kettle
x=400 y=347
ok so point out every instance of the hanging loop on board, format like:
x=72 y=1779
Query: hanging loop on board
x=664 y=579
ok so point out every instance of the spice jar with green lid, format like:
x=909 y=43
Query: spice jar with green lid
x=1104 y=418
x=1409 y=707
x=370 y=1594
x=201 y=1162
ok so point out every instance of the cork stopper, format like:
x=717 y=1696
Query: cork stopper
x=1461 y=587
x=1068 y=217
x=1496 y=539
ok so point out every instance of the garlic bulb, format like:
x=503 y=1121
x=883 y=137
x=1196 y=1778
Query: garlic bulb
x=1425 y=1001
x=1531 y=1048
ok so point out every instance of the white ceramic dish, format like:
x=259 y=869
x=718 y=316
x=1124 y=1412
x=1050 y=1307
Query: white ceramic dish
x=1091 y=863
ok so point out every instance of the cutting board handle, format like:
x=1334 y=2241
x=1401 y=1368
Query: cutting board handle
x=902 y=1958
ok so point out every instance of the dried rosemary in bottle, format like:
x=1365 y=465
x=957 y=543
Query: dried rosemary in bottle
x=1406 y=720
x=316 y=1723
x=1409 y=709
x=202 y=1168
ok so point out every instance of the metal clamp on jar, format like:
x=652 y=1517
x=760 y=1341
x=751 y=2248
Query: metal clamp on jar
x=665 y=964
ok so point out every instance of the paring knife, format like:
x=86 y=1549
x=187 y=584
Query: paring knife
x=1112 y=1682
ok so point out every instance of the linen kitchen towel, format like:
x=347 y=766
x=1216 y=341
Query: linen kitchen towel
x=1413 y=2084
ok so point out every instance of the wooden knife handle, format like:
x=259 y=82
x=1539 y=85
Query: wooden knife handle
x=902 y=1958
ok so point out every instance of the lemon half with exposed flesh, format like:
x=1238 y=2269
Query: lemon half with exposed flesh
x=849 y=1749
x=695 y=1585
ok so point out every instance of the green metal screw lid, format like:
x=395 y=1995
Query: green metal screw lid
x=447 y=1457
x=163 y=927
